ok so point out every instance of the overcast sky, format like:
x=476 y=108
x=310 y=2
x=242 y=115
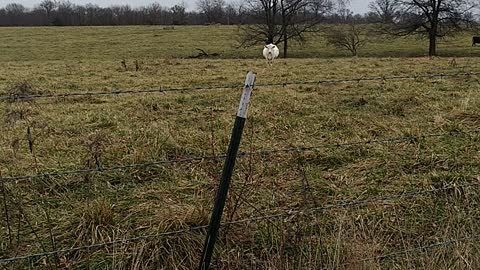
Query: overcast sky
x=357 y=6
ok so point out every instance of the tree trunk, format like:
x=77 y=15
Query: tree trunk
x=432 y=35
x=284 y=30
x=432 y=50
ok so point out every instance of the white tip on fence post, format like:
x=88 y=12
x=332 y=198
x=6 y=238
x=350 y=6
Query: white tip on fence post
x=247 y=92
x=227 y=173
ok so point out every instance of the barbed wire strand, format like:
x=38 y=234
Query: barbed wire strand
x=427 y=247
x=393 y=140
x=107 y=169
x=289 y=213
x=120 y=92
x=416 y=250
x=374 y=141
x=378 y=78
x=224 y=87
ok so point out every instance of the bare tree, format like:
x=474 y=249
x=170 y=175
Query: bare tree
x=433 y=19
x=344 y=15
x=213 y=10
x=300 y=17
x=48 y=6
x=230 y=13
x=279 y=21
x=15 y=9
x=265 y=19
x=385 y=10
x=154 y=12
x=64 y=13
x=178 y=13
x=351 y=38
x=15 y=13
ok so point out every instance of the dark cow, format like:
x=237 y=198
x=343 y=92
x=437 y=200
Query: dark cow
x=475 y=40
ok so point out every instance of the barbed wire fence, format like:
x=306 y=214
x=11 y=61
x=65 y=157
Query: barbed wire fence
x=14 y=97
x=256 y=219
x=264 y=152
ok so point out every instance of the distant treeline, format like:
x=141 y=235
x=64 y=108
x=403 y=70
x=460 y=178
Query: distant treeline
x=65 y=13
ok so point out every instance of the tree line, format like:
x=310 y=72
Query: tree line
x=65 y=13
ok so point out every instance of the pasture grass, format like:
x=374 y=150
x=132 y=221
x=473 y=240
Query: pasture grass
x=85 y=44
x=50 y=213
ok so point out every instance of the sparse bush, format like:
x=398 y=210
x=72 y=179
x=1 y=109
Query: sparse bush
x=352 y=38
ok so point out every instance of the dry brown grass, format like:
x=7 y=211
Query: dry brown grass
x=56 y=212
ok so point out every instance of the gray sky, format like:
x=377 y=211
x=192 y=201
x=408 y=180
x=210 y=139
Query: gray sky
x=357 y=6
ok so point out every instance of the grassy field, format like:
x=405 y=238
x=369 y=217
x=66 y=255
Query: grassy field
x=51 y=213
x=152 y=42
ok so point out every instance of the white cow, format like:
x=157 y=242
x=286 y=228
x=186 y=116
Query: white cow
x=270 y=52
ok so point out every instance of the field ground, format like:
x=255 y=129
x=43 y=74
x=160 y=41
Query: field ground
x=51 y=213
